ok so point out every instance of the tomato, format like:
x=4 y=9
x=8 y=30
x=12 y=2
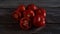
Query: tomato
x=28 y=13
x=20 y=8
x=25 y=23
x=38 y=21
x=43 y=12
x=16 y=15
x=38 y=11
x=32 y=6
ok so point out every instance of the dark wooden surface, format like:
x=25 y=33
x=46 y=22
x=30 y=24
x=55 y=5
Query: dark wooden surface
x=14 y=29
x=42 y=3
x=9 y=26
x=53 y=15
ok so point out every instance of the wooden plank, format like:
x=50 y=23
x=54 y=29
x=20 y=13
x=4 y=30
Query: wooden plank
x=41 y=3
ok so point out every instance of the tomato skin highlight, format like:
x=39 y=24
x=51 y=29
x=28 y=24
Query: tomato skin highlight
x=43 y=12
x=25 y=23
x=38 y=21
x=29 y=13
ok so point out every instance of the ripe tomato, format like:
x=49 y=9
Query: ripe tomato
x=43 y=12
x=25 y=23
x=38 y=11
x=32 y=6
x=28 y=13
x=20 y=8
x=38 y=21
x=16 y=15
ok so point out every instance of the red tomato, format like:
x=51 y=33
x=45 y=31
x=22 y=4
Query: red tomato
x=25 y=23
x=16 y=15
x=43 y=12
x=32 y=6
x=38 y=21
x=38 y=11
x=20 y=8
x=28 y=13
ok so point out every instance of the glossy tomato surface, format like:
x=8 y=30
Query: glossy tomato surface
x=38 y=11
x=38 y=21
x=25 y=23
x=32 y=6
x=43 y=12
x=29 y=13
x=16 y=15
x=20 y=8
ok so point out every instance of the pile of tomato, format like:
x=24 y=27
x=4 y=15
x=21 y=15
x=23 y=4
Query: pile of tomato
x=29 y=16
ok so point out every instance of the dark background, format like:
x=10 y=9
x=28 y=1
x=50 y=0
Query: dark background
x=8 y=26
